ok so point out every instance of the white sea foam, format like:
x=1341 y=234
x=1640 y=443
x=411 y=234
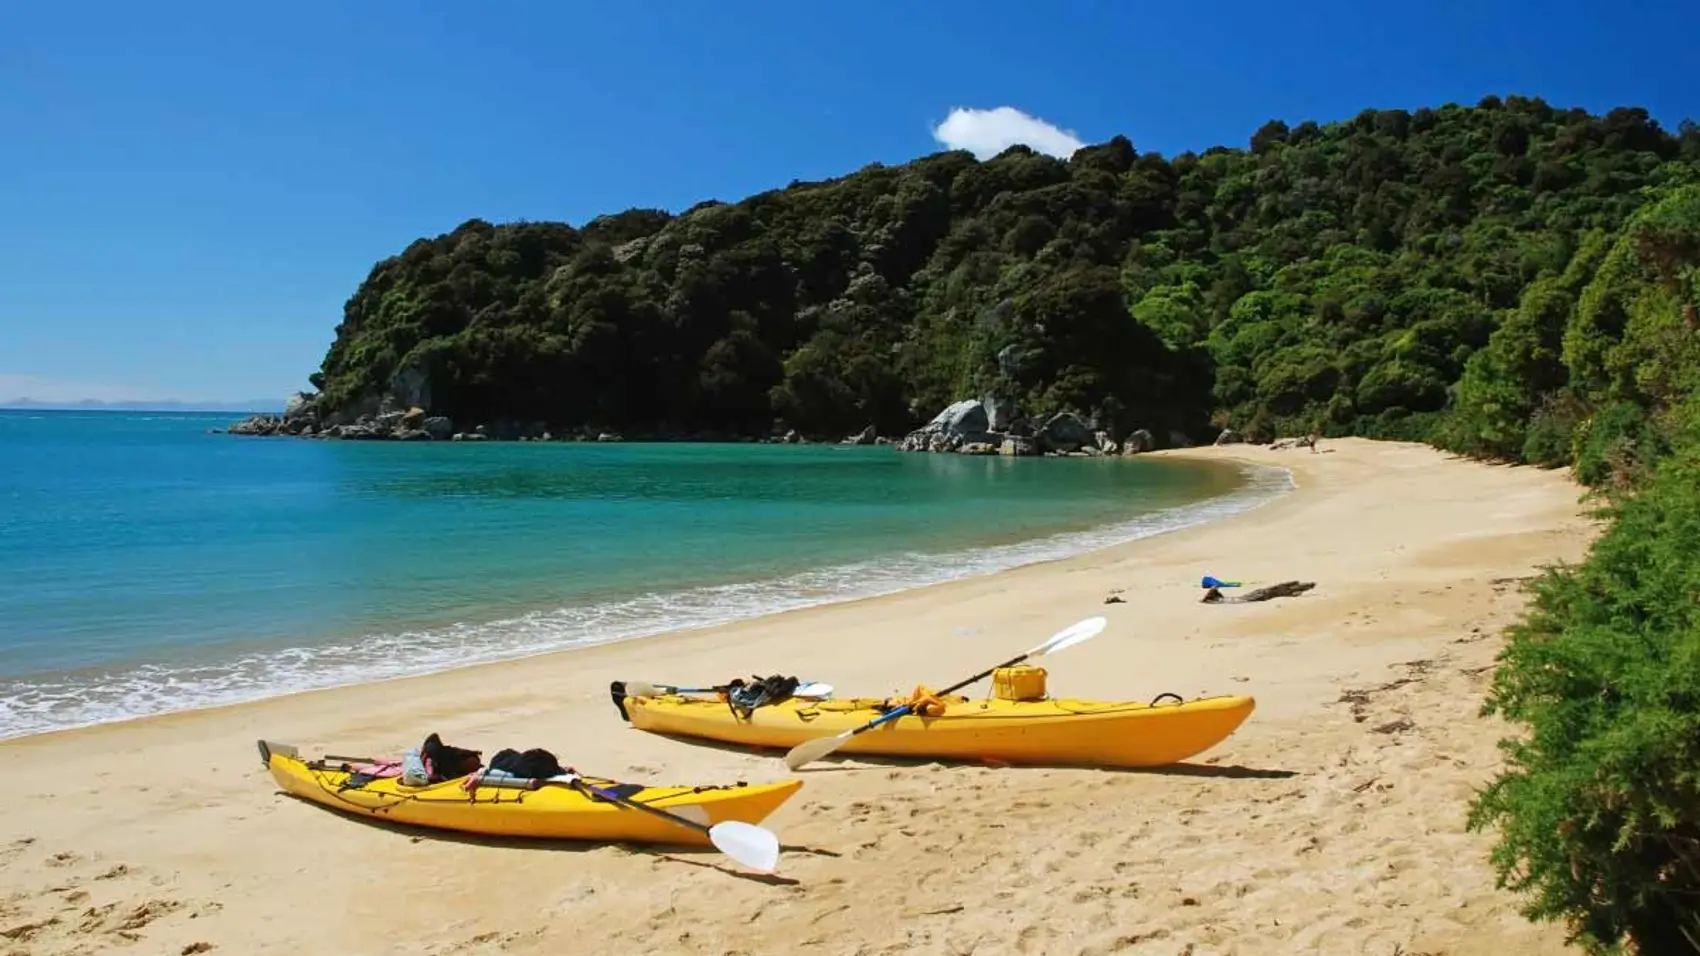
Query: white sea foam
x=36 y=705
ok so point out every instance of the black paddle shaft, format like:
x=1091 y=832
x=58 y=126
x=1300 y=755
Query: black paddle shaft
x=986 y=673
x=909 y=708
x=612 y=797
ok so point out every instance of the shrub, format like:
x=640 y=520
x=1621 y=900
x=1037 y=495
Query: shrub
x=1599 y=806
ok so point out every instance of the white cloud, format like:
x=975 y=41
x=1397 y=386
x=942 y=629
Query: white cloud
x=986 y=133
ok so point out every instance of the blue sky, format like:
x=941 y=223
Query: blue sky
x=190 y=191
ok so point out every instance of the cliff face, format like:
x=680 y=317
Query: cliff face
x=1335 y=278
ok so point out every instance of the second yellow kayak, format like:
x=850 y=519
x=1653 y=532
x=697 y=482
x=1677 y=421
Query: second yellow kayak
x=1061 y=732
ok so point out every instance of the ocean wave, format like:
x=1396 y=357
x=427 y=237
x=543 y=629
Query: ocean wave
x=41 y=704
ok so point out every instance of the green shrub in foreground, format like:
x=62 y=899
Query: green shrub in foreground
x=1599 y=806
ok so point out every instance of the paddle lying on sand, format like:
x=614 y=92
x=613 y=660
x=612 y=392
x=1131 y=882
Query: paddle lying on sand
x=811 y=750
x=753 y=846
x=638 y=688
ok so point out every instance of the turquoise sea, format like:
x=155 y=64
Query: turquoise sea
x=148 y=565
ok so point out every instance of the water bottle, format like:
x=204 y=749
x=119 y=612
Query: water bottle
x=413 y=769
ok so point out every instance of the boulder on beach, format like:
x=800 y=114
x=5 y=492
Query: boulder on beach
x=1066 y=431
x=961 y=423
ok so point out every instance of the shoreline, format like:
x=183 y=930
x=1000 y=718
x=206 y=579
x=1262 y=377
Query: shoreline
x=1260 y=483
x=1332 y=821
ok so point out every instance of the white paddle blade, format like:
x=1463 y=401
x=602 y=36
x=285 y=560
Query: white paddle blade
x=691 y=812
x=811 y=750
x=814 y=689
x=747 y=843
x=1085 y=630
x=639 y=688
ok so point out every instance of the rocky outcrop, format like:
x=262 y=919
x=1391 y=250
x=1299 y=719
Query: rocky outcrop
x=987 y=426
x=1229 y=437
x=1139 y=440
x=258 y=425
x=301 y=405
x=866 y=436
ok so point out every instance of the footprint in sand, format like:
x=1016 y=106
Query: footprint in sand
x=16 y=847
x=25 y=932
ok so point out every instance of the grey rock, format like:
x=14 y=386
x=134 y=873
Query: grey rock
x=300 y=405
x=1065 y=431
x=961 y=418
x=1000 y=413
x=438 y=427
x=411 y=388
x=257 y=425
x=1018 y=446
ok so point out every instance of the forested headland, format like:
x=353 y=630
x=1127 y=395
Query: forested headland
x=1511 y=280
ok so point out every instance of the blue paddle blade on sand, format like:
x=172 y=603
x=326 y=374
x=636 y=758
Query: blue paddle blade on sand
x=1211 y=582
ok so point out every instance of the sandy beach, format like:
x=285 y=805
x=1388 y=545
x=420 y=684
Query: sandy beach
x=1332 y=822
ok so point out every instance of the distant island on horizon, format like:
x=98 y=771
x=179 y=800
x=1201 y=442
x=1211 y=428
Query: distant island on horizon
x=163 y=405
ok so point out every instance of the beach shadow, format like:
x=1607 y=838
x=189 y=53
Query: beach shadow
x=771 y=879
x=855 y=762
x=848 y=763
x=1225 y=771
x=743 y=750
x=677 y=853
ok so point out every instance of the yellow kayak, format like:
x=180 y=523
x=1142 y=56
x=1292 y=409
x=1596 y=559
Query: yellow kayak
x=1059 y=732
x=551 y=811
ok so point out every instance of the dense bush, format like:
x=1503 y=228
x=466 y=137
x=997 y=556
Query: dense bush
x=1599 y=806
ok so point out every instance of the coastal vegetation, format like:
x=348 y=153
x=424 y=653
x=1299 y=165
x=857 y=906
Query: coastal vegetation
x=1510 y=281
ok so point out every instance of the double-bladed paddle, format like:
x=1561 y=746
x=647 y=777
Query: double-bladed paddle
x=638 y=688
x=753 y=846
x=811 y=750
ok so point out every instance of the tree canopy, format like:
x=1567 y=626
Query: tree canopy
x=1339 y=278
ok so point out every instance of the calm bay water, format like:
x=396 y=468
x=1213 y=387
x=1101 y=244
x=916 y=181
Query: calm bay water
x=146 y=565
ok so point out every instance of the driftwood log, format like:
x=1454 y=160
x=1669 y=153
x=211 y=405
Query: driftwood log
x=1284 y=589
